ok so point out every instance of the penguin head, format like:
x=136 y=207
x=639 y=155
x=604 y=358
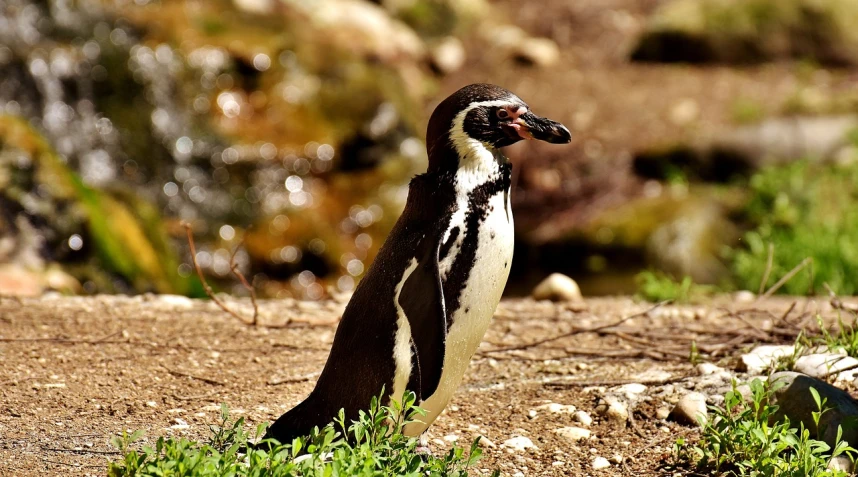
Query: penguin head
x=485 y=116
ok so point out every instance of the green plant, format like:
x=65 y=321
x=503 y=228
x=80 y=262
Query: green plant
x=374 y=445
x=657 y=286
x=843 y=338
x=804 y=211
x=747 y=111
x=743 y=438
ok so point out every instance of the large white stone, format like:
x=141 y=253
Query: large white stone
x=761 y=358
x=557 y=287
x=820 y=365
x=690 y=409
x=600 y=463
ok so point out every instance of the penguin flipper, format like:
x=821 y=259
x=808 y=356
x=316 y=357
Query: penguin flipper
x=422 y=300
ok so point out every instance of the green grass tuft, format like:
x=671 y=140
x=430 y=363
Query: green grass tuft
x=374 y=445
x=743 y=438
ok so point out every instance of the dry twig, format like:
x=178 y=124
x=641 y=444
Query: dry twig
x=233 y=267
x=611 y=382
x=193 y=376
x=807 y=261
x=206 y=287
x=294 y=379
x=769 y=262
x=577 y=331
x=81 y=451
x=836 y=303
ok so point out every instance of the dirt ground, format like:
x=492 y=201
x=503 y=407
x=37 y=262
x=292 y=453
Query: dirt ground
x=76 y=370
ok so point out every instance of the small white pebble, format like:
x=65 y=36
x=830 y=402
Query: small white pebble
x=519 y=443
x=582 y=417
x=600 y=463
x=179 y=424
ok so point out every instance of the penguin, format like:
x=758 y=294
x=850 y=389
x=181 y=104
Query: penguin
x=420 y=312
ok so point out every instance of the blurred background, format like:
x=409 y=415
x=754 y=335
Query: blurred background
x=715 y=141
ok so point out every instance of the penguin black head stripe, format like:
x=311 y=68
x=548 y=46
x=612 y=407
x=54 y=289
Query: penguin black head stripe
x=420 y=312
x=488 y=114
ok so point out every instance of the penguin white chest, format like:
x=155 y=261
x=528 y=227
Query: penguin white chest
x=478 y=298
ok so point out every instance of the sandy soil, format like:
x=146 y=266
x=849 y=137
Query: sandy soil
x=77 y=370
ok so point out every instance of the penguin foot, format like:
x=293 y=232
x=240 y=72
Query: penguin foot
x=424 y=450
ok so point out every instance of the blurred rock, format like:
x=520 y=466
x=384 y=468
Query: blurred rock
x=582 y=417
x=792 y=395
x=541 y=52
x=690 y=409
x=735 y=31
x=744 y=296
x=614 y=409
x=515 y=43
x=257 y=7
x=362 y=26
x=823 y=365
x=784 y=140
x=557 y=287
x=447 y=55
x=763 y=357
x=706 y=369
x=15 y=280
x=519 y=444
x=745 y=149
x=556 y=408
x=600 y=463
x=842 y=463
x=573 y=434
x=685 y=112
x=691 y=243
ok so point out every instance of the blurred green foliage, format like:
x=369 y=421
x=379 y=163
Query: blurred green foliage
x=128 y=233
x=747 y=111
x=803 y=210
x=656 y=286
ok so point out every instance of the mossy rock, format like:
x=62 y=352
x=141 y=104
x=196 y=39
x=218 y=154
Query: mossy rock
x=751 y=31
x=128 y=238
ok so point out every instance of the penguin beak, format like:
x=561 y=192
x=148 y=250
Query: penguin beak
x=531 y=126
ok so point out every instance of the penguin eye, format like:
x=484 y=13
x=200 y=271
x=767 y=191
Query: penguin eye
x=503 y=113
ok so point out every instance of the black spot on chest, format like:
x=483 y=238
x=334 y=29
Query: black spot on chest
x=478 y=210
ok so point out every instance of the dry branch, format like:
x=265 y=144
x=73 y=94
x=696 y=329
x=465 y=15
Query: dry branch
x=206 y=287
x=769 y=262
x=294 y=379
x=233 y=267
x=784 y=279
x=193 y=376
x=577 y=331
